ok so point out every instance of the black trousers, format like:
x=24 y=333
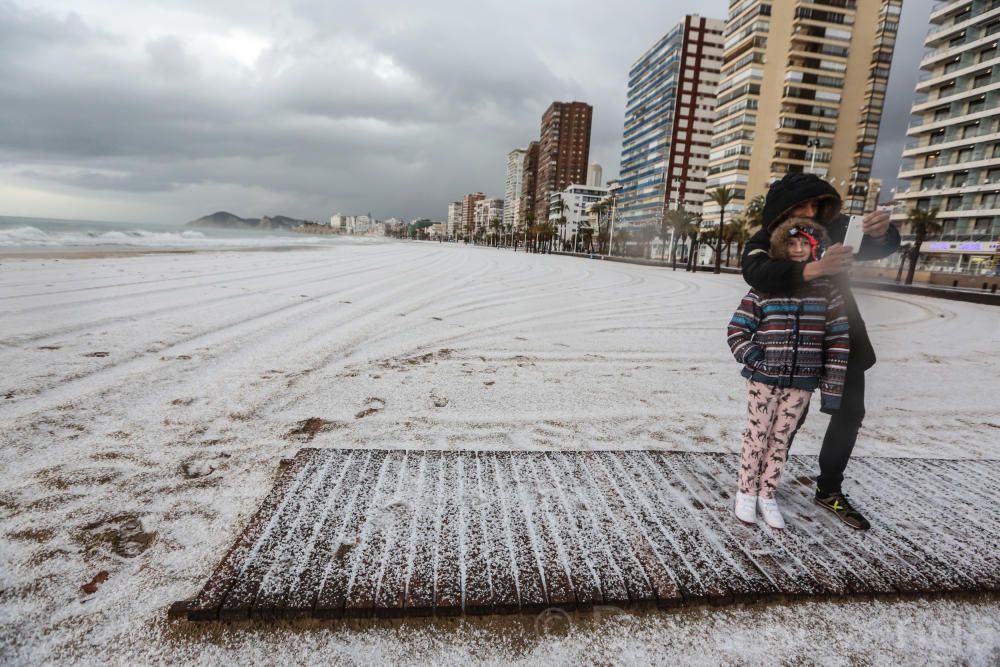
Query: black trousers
x=842 y=432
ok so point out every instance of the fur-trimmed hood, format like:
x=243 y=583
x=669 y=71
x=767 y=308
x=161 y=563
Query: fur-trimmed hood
x=795 y=188
x=781 y=235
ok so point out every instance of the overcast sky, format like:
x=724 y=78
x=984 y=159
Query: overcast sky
x=156 y=111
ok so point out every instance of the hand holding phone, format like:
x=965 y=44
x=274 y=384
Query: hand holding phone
x=855 y=232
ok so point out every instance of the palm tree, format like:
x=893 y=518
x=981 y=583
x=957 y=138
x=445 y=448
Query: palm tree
x=739 y=231
x=753 y=214
x=723 y=197
x=923 y=222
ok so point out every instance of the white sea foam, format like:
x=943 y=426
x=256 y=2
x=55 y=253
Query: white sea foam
x=32 y=237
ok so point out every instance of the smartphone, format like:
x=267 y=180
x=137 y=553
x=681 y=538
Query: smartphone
x=855 y=232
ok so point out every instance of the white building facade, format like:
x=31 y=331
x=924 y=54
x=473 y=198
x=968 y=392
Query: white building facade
x=487 y=210
x=454 y=223
x=513 y=185
x=953 y=159
x=573 y=204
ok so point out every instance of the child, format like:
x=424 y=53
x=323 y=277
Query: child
x=789 y=344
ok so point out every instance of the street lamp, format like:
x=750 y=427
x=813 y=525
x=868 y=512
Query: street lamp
x=813 y=143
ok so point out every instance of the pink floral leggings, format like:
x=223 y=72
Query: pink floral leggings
x=774 y=416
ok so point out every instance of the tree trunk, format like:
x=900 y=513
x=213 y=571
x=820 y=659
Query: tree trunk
x=718 y=247
x=905 y=255
x=914 y=255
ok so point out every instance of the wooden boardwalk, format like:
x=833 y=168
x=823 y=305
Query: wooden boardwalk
x=362 y=533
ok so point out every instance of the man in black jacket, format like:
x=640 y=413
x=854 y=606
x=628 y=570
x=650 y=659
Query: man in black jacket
x=806 y=195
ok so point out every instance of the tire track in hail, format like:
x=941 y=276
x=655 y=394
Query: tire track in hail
x=87 y=383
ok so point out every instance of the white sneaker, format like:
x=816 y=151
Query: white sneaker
x=746 y=507
x=772 y=515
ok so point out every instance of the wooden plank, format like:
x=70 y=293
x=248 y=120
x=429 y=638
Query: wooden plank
x=645 y=578
x=675 y=578
x=561 y=532
x=447 y=568
x=789 y=571
x=334 y=583
x=419 y=580
x=579 y=511
x=555 y=574
x=390 y=593
x=496 y=537
x=525 y=559
x=207 y=603
x=683 y=537
x=325 y=541
x=474 y=541
x=377 y=537
x=239 y=600
x=279 y=575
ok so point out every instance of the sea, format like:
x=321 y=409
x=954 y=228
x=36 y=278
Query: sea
x=33 y=234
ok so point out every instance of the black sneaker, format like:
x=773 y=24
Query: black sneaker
x=838 y=503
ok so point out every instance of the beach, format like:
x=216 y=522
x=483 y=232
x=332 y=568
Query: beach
x=150 y=394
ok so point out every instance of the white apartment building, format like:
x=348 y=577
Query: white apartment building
x=953 y=160
x=513 y=185
x=573 y=204
x=454 y=223
x=486 y=211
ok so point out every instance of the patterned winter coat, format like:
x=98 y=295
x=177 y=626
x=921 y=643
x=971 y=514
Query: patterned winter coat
x=797 y=340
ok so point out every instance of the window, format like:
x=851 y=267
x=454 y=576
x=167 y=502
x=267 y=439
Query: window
x=958 y=179
x=952 y=66
x=970 y=130
x=983 y=226
x=989 y=200
x=927 y=182
x=993 y=175
x=954 y=203
x=988 y=54
x=964 y=155
x=981 y=80
x=996 y=150
x=977 y=105
x=942 y=113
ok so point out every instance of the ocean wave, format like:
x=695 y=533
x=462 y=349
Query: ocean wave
x=32 y=237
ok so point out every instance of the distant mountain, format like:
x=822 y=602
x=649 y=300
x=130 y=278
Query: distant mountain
x=230 y=221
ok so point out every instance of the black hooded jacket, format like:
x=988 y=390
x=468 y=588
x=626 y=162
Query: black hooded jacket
x=771 y=275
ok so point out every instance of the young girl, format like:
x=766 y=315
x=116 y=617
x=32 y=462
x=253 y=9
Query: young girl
x=789 y=344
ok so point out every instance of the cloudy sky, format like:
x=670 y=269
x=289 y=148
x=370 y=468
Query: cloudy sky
x=157 y=111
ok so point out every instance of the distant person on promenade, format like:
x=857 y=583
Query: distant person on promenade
x=781 y=370
x=807 y=195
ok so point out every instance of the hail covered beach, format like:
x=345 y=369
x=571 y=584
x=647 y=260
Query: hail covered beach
x=159 y=392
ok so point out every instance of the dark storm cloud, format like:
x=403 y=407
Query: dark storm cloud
x=387 y=107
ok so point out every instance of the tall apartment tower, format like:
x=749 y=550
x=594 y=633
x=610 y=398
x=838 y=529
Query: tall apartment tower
x=513 y=185
x=469 y=213
x=668 y=122
x=802 y=89
x=563 y=151
x=454 y=224
x=953 y=160
x=530 y=178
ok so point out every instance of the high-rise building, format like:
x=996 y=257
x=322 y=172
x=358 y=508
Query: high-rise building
x=669 y=113
x=801 y=89
x=454 y=223
x=953 y=161
x=874 y=192
x=529 y=179
x=513 y=185
x=563 y=151
x=469 y=213
x=595 y=175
